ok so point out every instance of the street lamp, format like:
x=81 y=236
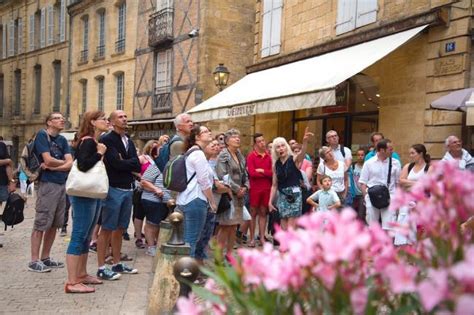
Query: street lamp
x=221 y=76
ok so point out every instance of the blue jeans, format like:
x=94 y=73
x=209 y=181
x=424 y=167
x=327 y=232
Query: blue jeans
x=117 y=209
x=195 y=213
x=205 y=236
x=85 y=212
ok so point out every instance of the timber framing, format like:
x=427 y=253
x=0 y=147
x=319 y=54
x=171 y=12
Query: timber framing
x=434 y=17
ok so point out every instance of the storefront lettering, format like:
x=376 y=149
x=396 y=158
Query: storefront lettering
x=153 y=134
x=448 y=65
x=242 y=110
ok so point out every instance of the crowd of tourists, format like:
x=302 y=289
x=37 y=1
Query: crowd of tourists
x=226 y=196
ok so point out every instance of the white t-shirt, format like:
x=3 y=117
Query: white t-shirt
x=338 y=154
x=337 y=175
x=196 y=162
x=375 y=172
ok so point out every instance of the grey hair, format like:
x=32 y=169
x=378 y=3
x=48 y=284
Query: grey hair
x=179 y=119
x=330 y=131
x=448 y=140
x=322 y=152
x=229 y=133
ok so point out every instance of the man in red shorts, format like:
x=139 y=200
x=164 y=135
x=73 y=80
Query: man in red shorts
x=259 y=165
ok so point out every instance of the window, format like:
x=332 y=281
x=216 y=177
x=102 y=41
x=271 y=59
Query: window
x=164 y=4
x=11 y=38
x=271 y=28
x=352 y=14
x=57 y=86
x=120 y=44
x=162 y=99
x=4 y=41
x=31 y=32
x=37 y=105
x=1 y=95
x=84 y=95
x=85 y=39
x=62 y=21
x=100 y=93
x=120 y=90
x=43 y=28
x=19 y=28
x=50 y=12
x=101 y=42
x=17 y=107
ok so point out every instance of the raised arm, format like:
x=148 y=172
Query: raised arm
x=300 y=156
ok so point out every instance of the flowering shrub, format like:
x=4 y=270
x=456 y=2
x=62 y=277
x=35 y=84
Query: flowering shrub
x=333 y=264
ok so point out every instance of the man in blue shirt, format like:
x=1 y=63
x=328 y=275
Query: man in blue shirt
x=54 y=154
x=375 y=137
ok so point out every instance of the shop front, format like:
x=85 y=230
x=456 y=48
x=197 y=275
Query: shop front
x=144 y=130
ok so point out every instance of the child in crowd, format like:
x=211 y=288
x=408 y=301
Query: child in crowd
x=325 y=199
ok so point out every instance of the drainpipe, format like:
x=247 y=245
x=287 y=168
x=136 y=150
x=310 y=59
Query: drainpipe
x=68 y=97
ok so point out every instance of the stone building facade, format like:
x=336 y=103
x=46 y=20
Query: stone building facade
x=394 y=94
x=34 y=38
x=179 y=44
x=102 y=56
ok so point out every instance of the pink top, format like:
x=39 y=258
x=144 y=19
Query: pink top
x=305 y=164
x=145 y=165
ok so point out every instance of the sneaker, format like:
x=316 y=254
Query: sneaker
x=126 y=236
x=107 y=274
x=151 y=251
x=63 y=231
x=38 y=266
x=93 y=248
x=48 y=262
x=122 y=268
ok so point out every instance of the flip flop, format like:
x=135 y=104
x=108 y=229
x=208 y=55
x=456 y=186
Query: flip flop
x=91 y=280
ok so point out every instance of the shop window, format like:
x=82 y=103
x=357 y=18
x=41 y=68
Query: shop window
x=271 y=27
x=352 y=14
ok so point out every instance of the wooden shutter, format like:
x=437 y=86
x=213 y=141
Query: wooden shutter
x=346 y=16
x=275 y=41
x=20 y=36
x=4 y=41
x=50 y=25
x=366 y=12
x=43 y=28
x=32 y=33
x=11 y=38
x=266 y=27
x=62 y=21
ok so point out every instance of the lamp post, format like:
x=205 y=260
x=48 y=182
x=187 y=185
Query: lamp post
x=221 y=76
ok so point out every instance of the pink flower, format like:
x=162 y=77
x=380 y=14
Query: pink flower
x=434 y=289
x=359 y=299
x=186 y=306
x=401 y=277
x=465 y=305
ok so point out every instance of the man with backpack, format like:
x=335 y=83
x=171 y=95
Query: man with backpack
x=7 y=183
x=55 y=159
x=175 y=146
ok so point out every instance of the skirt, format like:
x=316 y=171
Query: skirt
x=290 y=209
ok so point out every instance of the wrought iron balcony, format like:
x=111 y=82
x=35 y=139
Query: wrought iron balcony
x=161 y=102
x=84 y=56
x=160 y=27
x=120 y=45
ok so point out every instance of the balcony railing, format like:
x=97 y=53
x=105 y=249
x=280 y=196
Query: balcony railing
x=160 y=27
x=161 y=103
x=120 y=45
x=84 y=56
x=100 y=52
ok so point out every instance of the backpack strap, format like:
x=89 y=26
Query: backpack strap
x=343 y=151
x=389 y=171
x=410 y=167
x=191 y=150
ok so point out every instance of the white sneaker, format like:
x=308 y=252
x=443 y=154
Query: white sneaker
x=151 y=251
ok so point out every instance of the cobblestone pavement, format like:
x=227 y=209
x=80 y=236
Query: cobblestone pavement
x=25 y=292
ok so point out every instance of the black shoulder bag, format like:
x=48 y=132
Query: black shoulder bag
x=379 y=194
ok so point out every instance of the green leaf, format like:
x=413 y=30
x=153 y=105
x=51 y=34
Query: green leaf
x=206 y=294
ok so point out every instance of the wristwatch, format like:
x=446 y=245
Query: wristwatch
x=12 y=180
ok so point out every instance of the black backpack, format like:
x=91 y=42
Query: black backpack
x=13 y=213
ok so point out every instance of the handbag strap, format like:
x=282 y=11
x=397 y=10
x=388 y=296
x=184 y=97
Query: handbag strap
x=389 y=171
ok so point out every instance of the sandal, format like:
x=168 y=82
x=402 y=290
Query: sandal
x=77 y=288
x=90 y=280
x=139 y=243
x=251 y=244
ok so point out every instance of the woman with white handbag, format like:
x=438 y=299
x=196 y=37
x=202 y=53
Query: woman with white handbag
x=87 y=184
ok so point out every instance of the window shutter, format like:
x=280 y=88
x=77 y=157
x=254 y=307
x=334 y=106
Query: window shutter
x=366 y=12
x=32 y=33
x=4 y=41
x=62 y=22
x=11 y=38
x=266 y=27
x=20 y=36
x=43 y=28
x=346 y=11
x=86 y=35
x=275 y=42
x=50 y=25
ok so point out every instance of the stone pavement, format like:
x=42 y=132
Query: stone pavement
x=25 y=292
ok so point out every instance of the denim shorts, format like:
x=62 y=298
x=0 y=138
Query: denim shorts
x=3 y=193
x=117 y=209
x=85 y=212
x=155 y=212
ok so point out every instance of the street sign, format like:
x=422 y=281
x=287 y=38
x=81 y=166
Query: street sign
x=450 y=47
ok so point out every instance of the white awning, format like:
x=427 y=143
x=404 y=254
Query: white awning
x=302 y=84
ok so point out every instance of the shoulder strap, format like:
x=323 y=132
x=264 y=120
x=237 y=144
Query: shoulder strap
x=343 y=151
x=389 y=171
x=410 y=167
